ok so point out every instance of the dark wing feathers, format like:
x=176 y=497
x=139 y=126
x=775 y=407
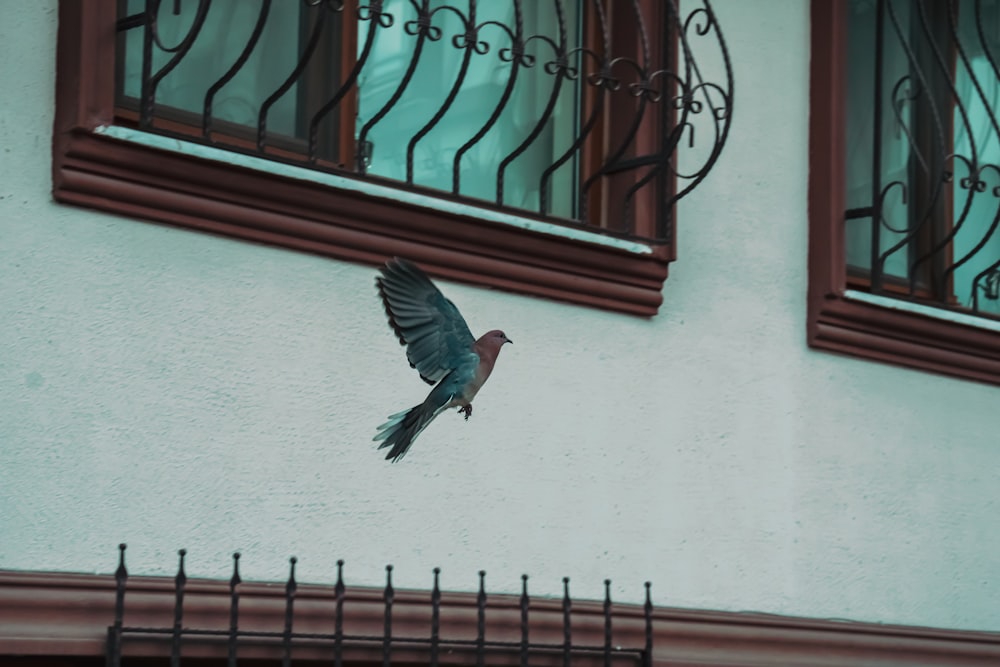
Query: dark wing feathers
x=429 y=325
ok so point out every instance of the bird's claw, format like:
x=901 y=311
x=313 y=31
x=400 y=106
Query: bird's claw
x=467 y=411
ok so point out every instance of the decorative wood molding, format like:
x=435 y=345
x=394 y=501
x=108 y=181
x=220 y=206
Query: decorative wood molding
x=48 y=615
x=834 y=322
x=100 y=172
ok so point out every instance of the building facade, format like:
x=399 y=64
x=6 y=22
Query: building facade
x=169 y=387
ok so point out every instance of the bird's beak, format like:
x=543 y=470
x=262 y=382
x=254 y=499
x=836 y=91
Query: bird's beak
x=508 y=340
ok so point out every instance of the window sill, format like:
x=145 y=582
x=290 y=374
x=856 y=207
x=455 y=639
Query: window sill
x=103 y=170
x=901 y=333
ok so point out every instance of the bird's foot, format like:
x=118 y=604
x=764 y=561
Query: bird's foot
x=466 y=410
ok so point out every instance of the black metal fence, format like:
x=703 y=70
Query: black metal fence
x=587 y=111
x=338 y=640
x=923 y=151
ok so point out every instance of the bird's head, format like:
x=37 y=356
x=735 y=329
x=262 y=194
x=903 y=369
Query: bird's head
x=494 y=340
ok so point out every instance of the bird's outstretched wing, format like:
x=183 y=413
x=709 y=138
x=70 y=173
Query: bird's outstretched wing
x=435 y=334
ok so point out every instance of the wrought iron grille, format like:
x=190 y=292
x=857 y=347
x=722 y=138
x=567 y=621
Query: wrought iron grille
x=923 y=151
x=479 y=647
x=586 y=112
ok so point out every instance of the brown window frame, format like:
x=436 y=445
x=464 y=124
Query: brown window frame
x=835 y=322
x=95 y=170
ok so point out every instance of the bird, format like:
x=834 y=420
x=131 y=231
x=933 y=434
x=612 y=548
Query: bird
x=439 y=345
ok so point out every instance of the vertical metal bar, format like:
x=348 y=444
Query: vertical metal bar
x=481 y=621
x=557 y=68
x=388 y=596
x=179 y=582
x=567 y=630
x=234 y=604
x=517 y=58
x=307 y=53
x=145 y=87
x=115 y=631
x=177 y=53
x=648 y=613
x=241 y=60
x=607 y=623
x=435 y=618
x=290 y=588
x=470 y=41
x=524 y=620
x=642 y=70
x=423 y=30
x=376 y=17
x=876 y=269
x=338 y=622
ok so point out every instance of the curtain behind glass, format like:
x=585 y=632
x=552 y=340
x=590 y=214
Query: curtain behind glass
x=979 y=130
x=225 y=33
x=480 y=93
x=895 y=146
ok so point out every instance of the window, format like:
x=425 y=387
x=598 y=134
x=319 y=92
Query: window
x=534 y=146
x=928 y=196
x=905 y=183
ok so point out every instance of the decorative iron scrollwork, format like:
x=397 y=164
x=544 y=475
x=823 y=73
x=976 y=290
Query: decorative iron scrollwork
x=567 y=114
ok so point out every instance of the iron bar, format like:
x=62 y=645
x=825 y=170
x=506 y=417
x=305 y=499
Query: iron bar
x=290 y=588
x=601 y=80
x=338 y=623
x=115 y=631
x=469 y=42
x=647 y=609
x=607 y=623
x=968 y=183
x=387 y=596
x=289 y=81
x=423 y=30
x=435 y=618
x=517 y=58
x=481 y=620
x=876 y=224
x=234 y=609
x=524 y=620
x=179 y=582
x=151 y=80
x=240 y=62
x=567 y=626
x=559 y=69
x=374 y=19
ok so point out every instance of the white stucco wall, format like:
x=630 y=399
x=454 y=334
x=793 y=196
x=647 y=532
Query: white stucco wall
x=167 y=388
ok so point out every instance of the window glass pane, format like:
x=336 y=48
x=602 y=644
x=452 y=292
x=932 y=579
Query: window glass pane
x=894 y=140
x=391 y=126
x=976 y=250
x=227 y=28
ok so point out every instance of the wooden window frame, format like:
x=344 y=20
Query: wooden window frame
x=95 y=170
x=836 y=322
x=62 y=619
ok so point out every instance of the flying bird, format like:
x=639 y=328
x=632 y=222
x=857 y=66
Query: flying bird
x=439 y=346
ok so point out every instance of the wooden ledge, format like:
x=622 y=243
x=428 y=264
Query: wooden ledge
x=58 y=615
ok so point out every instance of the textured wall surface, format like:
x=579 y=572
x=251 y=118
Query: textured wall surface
x=168 y=388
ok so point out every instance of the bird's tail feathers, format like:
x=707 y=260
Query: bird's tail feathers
x=402 y=428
